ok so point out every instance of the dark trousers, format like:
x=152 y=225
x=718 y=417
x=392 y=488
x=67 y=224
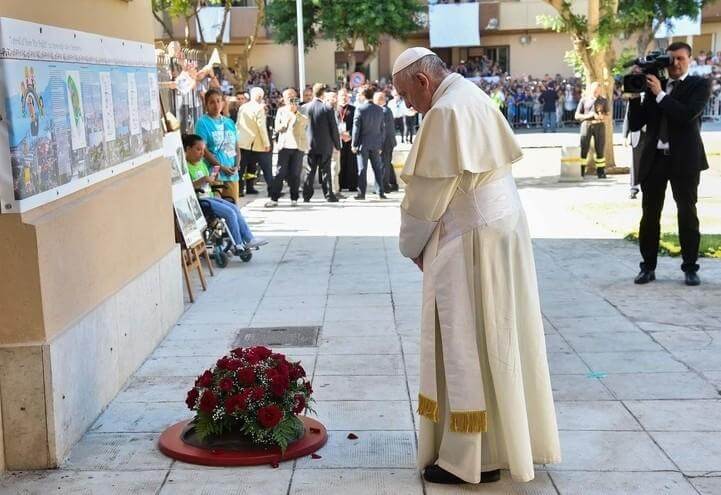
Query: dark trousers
x=598 y=133
x=348 y=168
x=322 y=164
x=410 y=122
x=289 y=166
x=376 y=163
x=685 y=193
x=398 y=122
x=390 y=182
x=250 y=161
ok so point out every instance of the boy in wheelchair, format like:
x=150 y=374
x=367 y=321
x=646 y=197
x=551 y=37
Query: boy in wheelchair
x=241 y=237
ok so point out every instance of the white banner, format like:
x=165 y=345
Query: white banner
x=454 y=24
x=679 y=26
x=210 y=22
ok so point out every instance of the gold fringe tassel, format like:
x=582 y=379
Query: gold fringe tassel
x=428 y=408
x=468 y=421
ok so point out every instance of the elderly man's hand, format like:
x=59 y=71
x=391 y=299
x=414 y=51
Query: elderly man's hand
x=653 y=84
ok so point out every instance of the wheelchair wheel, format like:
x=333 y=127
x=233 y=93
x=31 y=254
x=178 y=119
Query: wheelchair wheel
x=246 y=255
x=220 y=257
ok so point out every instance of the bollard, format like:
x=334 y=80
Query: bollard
x=570 y=164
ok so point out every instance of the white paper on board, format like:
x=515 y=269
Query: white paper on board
x=106 y=94
x=133 y=105
x=75 y=108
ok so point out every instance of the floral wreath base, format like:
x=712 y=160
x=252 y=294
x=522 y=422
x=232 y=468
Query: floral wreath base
x=171 y=444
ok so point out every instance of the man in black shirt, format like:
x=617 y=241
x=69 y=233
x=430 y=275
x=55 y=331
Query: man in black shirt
x=548 y=99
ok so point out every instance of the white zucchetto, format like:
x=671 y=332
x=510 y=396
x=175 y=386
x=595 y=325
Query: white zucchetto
x=410 y=56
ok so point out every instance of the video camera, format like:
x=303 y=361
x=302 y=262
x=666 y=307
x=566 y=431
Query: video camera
x=655 y=63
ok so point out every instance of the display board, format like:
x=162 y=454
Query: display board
x=77 y=108
x=454 y=24
x=185 y=203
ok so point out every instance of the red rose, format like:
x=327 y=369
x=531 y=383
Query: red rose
x=237 y=352
x=252 y=358
x=246 y=376
x=192 y=398
x=278 y=357
x=272 y=374
x=236 y=402
x=284 y=369
x=269 y=416
x=257 y=393
x=259 y=353
x=226 y=384
x=296 y=371
x=205 y=380
x=208 y=401
x=299 y=404
x=278 y=387
x=308 y=388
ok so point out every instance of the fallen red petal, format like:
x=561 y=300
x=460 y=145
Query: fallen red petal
x=352 y=436
x=315 y=456
x=274 y=465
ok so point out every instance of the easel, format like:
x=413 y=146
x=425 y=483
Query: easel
x=190 y=259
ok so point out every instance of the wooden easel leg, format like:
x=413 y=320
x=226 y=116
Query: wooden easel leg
x=196 y=262
x=207 y=259
x=186 y=275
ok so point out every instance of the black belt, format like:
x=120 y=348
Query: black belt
x=663 y=151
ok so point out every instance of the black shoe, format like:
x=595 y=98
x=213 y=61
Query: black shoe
x=692 y=278
x=382 y=196
x=251 y=191
x=644 y=277
x=394 y=188
x=583 y=171
x=332 y=199
x=359 y=196
x=306 y=200
x=436 y=474
x=601 y=172
x=491 y=476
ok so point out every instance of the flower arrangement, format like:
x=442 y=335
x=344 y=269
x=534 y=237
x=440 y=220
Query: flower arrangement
x=252 y=391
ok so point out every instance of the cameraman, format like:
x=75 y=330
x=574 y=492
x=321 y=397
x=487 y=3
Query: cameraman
x=672 y=152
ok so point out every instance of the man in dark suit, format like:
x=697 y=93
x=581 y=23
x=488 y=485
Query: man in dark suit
x=348 y=165
x=367 y=142
x=672 y=152
x=323 y=130
x=390 y=182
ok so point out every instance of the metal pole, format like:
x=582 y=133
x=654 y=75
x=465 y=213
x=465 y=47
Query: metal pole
x=301 y=45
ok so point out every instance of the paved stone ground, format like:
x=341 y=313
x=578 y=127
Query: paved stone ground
x=636 y=371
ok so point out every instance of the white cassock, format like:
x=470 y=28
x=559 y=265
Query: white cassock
x=485 y=394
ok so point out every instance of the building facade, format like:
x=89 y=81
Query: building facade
x=510 y=34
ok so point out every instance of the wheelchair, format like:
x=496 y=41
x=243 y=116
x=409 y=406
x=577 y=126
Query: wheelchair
x=219 y=241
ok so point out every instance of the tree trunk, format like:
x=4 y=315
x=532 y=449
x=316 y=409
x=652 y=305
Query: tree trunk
x=168 y=29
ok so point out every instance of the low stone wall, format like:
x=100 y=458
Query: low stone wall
x=52 y=392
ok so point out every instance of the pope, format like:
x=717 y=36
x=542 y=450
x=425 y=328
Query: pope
x=485 y=397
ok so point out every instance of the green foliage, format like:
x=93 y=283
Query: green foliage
x=280 y=17
x=574 y=61
x=626 y=55
x=669 y=244
x=286 y=431
x=635 y=15
x=344 y=21
x=206 y=427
